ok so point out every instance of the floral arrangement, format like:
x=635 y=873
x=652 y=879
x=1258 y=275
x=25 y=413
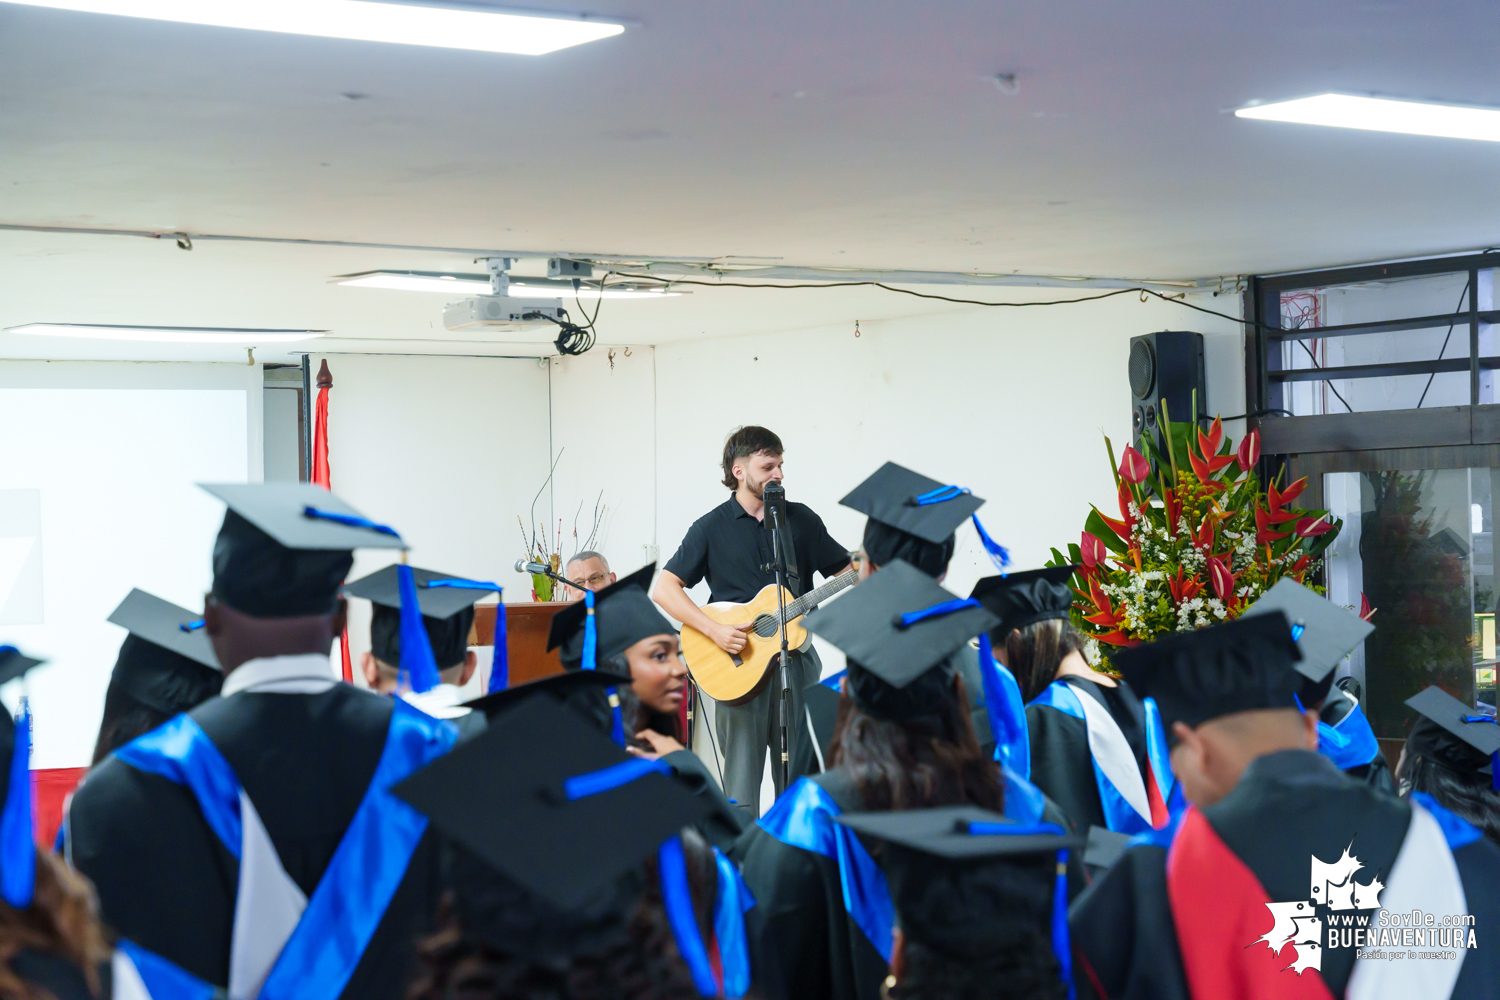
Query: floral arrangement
x=1197 y=540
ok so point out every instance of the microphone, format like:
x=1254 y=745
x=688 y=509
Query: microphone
x=774 y=498
x=540 y=569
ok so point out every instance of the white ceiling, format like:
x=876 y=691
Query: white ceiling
x=828 y=133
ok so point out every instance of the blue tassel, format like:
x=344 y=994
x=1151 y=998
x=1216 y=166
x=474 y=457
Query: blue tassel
x=1060 y=944
x=192 y=626
x=418 y=665
x=939 y=495
x=1007 y=712
x=500 y=667
x=352 y=520
x=910 y=618
x=17 y=851
x=617 y=726
x=672 y=867
x=999 y=555
x=590 y=633
x=590 y=649
x=607 y=779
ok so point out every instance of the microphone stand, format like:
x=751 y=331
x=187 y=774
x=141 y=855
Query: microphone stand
x=778 y=559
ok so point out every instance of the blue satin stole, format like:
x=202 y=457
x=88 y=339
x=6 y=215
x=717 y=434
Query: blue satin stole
x=734 y=900
x=367 y=866
x=1349 y=744
x=803 y=818
x=1119 y=816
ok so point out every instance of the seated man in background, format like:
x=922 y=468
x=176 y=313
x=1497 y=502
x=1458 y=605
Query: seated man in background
x=588 y=570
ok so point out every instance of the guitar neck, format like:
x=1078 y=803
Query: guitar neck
x=801 y=605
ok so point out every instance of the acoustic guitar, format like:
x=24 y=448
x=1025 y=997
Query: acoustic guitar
x=735 y=679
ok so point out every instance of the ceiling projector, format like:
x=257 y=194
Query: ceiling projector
x=503 y=311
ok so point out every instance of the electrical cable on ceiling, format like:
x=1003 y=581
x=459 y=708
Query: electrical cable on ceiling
x=1175 y=298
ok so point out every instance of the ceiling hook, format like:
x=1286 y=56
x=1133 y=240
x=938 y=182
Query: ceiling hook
x=184 y=241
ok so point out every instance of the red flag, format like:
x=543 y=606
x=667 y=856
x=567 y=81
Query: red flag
x=320 y=476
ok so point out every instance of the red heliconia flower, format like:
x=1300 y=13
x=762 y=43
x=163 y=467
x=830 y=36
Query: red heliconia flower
x=1365 y=611
x=1263 y=532
x=1312 y=527
x=1126 y=499
x=1183 y=589
x=1275 y=499
x=1249 y=452
x=1118 y=638
x=1203 y=538
x=1221 y=578
x=1209 y=444
x=1205 y=472
x=1107 y=616
x=1134 y=468
x=1092 y=549
x=1173 y=508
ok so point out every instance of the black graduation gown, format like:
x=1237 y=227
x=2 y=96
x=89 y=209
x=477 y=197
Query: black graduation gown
x=1061 y=764
x=803 y=930
x=967 y=662
x=166 y=882
x=1288 y=807
x=722 y=827
x=59 y=976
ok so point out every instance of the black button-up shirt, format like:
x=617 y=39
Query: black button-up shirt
x=728 y=547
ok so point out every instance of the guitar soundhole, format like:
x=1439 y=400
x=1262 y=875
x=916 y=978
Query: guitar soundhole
x=765 y=626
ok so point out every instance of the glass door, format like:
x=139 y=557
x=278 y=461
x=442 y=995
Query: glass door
x=1418 y=544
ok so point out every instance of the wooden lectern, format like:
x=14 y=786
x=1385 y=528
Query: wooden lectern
x=526 y=627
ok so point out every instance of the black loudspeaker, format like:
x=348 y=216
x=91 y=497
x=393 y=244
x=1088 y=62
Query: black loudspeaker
x=1165 y=366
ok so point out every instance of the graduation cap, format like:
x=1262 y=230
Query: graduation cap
x=17 y=851
x=584 y=690
x=285 y=548
x=446 y=603
x=605 y=624
x=166 y=662
x=895 y=627
x=1021 y=599
x=1248 y=663
x=1104 y=847
x=1454 y=735
x=624 y=614
x=913 y=505
x=1325 y=633
x=968 y=883
x=552 y=784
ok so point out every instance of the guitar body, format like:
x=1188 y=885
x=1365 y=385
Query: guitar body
x=734 y=680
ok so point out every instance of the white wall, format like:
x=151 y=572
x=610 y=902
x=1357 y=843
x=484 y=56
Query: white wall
x=114 y=450
x=447 y=451
x=603 y=416
x=1011 y=403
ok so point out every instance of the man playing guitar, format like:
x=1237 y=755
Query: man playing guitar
x=730 y=548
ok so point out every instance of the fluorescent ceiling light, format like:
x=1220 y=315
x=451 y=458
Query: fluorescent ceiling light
x=361 y=20
x=1378 y=114
x=166 y=334
x=479 y=284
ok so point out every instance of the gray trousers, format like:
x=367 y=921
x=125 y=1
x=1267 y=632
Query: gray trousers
x=746 y=730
